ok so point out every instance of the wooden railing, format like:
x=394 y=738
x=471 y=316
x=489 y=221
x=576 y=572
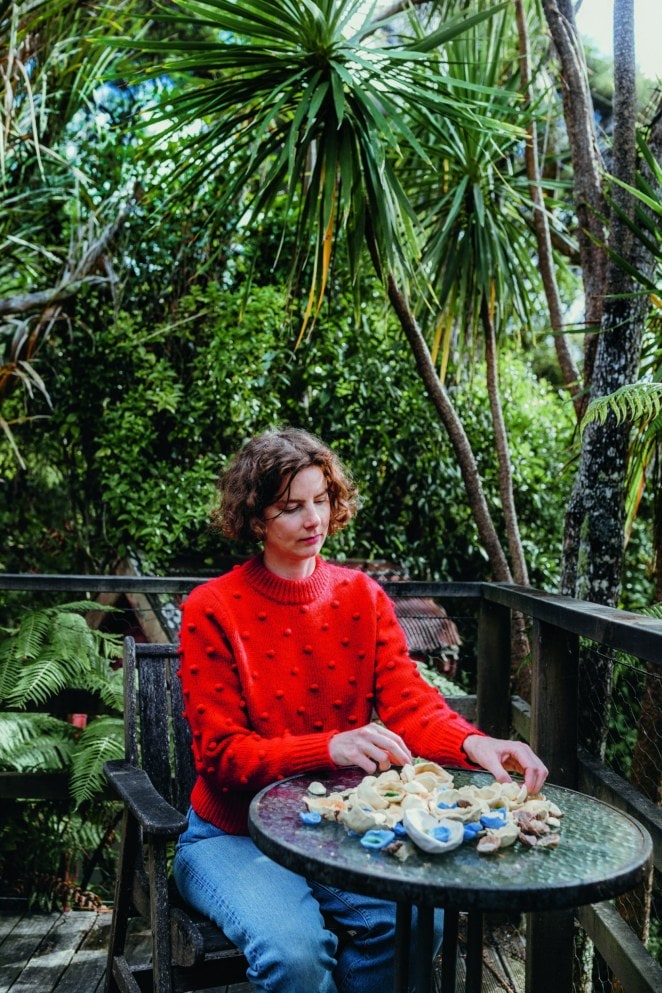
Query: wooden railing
x=548 y=721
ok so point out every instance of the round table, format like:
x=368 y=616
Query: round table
x=602 y=853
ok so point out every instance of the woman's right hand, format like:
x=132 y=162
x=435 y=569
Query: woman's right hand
x=371 y=747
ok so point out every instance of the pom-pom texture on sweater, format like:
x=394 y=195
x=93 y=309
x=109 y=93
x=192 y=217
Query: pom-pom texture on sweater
x=272 y=668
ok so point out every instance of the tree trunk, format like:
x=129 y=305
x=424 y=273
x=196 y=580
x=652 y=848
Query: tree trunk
x=504 y=460
x=50 y=301
x=595 y=519
x=448 y=417
x=569 y=371
x=456 y=433
x=594 y=529
x=520 y=646
x=578 y=112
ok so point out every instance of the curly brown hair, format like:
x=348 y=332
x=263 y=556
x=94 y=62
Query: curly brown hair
x=262 y=471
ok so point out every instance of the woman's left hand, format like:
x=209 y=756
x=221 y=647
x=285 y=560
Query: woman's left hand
x=500 y=756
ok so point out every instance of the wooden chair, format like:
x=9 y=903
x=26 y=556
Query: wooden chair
x=154 y=781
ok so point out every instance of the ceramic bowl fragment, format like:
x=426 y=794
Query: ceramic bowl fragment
x=432 y=834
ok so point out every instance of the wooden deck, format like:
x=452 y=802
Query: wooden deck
x=66 y=953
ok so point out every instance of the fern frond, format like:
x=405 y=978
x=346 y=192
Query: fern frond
x=52 y=649
x=72 y=636
x=39 y=681
x=102 y=739
x=645 y=447
x=653 y=610
x=31 y=636
x=109 y=645
x=35 y=742
x=108 y=685
x=10 y=672
x=635 y=402
x=81 y=607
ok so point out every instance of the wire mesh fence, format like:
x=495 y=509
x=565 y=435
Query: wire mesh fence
x=620 y=725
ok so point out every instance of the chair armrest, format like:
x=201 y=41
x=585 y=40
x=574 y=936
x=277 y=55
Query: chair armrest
x=154 y=814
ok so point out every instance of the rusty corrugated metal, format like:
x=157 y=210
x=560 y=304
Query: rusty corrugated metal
x=428 y=628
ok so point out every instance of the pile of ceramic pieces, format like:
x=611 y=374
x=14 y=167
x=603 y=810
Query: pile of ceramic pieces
x=419 y=803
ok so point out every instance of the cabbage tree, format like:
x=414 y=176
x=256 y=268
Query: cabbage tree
x=321 y=102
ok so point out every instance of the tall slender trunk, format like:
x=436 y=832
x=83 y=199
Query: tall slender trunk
x=567 y=365
x=578 y=112
x=448 y=417
x=594 y=530
x=456 y=433
x=504 y=460
x=520 y=644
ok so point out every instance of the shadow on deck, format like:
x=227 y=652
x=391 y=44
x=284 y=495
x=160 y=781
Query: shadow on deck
x=66 y=953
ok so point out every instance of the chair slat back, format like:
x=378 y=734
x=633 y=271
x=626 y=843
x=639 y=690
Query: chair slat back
x=160 y=741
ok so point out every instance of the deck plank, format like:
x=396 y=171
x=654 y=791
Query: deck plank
x=20 y=944
x=87 y=969
x=54 y=952
x=66 y=953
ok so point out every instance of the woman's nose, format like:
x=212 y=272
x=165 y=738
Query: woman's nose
x=312 y=516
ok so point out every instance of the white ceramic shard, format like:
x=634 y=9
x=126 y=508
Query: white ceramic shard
x=432 y=834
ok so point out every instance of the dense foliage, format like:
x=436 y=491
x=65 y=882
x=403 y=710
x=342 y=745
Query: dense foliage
x=127 y=461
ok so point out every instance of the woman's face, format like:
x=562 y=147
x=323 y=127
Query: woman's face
x=296 y=525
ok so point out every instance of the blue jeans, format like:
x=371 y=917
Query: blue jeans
x=276 y=917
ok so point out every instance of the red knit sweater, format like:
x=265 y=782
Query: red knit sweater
x=272 y=668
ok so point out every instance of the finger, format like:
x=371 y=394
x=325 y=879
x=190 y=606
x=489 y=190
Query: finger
x=381 y=755
x=491 y=763
x=528 y=763
x=534 y=778
x=395 y=747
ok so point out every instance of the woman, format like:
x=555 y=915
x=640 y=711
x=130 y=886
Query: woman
x=285 y=660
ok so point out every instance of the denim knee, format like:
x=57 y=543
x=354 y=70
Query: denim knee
x=292 y=960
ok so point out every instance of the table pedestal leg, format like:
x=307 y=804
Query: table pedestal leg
x=449 y=952
x=424 y=949
x=474 y=953
x=402 y=946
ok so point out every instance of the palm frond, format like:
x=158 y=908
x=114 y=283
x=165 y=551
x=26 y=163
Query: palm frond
x=287 y=86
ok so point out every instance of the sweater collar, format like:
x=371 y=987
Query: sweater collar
x=287 y=591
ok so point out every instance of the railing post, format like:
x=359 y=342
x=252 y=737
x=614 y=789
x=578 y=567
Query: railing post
x=549 y=951
x=554 y=701
x=493 y=670
x=550 y=936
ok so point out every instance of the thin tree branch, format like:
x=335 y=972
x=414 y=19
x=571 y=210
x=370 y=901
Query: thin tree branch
x=71 y=281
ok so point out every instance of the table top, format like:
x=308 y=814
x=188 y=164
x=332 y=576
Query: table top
x=602 y=853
